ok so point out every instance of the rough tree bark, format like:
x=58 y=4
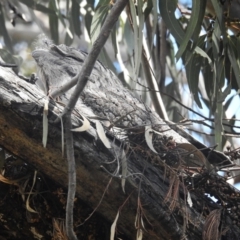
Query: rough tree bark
x=21 y=107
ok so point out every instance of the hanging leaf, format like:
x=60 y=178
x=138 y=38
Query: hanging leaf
x=75 y=15
x=113 y=227
x=86 y=125
x=218 y=130
x=138 y=22
x=193 y=70
x=235 y=62
x=148 y=138
x=98 y=19
x=53 y=22
x=124 y=170
x=167 y=9
x=194 y=26
x=4 y=32
x=139 y=234
x=203 y=54
x=208 y=77
x=102 y=135
x=45 y=122
x=189 y=199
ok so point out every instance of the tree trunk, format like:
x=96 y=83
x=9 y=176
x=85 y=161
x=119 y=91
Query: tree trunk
x=148 y=178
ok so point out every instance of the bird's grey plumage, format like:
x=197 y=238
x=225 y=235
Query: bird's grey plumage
x=104 y=95
x=104 y=92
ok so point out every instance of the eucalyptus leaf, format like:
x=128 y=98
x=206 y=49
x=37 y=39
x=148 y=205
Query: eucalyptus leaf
x=4 y=32
x=85 y=126
x=208 y=78
x=234 y=61
x=114 y=40
x=193 y=70
x=102 y=135
x=218 y=129
x=124 y=170
x=113 y=227
x=148 y=138
x=75 y=15
x=97 y=20
x=219 y=13
x=53 y=22
x=194 y=26
x=45 y=122
x=167 y=10
x=138 y=36
x=189 y=199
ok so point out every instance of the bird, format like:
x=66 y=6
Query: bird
x=105 y=97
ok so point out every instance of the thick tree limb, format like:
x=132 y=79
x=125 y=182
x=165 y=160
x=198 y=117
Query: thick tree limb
x=21 y=106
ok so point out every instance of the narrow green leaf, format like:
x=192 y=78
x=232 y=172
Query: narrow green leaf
x=218 y=10
x=194 y=26
x=137 y=28
x=217 y=5
x=75 y=15
x=193 y=67
x=234 y=62
x=114 y=39
x=218 y=126
x=53 y=22
x=221 y=71
x=97 y=20
x=155 y=20
x=203 y=54
x=167 y=9
x=4 y=32
x=192 y=70
x=140 y=34
x=208 y=77
x=128 y=35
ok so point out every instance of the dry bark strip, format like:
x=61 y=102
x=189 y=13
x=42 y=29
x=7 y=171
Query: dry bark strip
x=21 y=107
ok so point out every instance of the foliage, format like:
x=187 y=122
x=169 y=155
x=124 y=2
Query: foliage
x=143 y=48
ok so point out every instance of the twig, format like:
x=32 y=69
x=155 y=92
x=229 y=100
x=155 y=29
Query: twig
x=71 y=178
x=188 y=108
x=82 y=79
x=95 y=209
